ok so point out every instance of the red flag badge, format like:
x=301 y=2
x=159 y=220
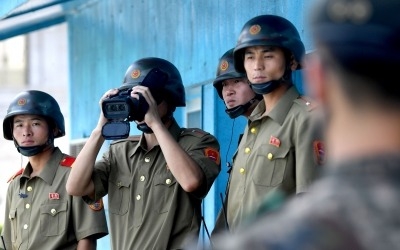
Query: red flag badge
x=54 y=196
x=274 y=141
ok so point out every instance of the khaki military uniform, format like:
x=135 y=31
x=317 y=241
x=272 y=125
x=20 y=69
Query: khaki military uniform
x=148 y=209
x=277 y=151
x=41 y=215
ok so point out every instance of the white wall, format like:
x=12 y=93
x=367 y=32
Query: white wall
x=47 y=70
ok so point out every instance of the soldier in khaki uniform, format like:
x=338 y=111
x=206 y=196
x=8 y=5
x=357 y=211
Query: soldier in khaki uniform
x=39 y=212
x=155 y=183
x=279 y=149
x=234 y=89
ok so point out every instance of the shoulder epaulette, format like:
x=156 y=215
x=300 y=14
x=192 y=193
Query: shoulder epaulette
x=306 y=101
x=67 y=161
x=193 y=131
x=132 y=138
x=16 y=174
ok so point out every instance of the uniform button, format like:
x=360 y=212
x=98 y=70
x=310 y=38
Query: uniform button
x=168 y=181
x=142 y=178
x=241 y=170
x=247 y=150
x=253 y=130
x=53 y=211
x=26 y=226
x=29 y=188
x=270 y=156
x=138 y=197
x=119 y=184
x=27 y=206
x=147 y=159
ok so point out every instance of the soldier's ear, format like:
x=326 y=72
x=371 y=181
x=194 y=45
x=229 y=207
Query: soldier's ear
x=55 y=131
x=293 y=63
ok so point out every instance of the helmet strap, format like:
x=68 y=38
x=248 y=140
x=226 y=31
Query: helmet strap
x=31 y=151
x=147 y=130
x=268 y=87
x=34 y=150
x=240 y=109
x=144 y=128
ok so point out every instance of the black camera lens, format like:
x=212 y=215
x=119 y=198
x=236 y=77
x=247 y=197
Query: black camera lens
x=116 y=109
x=121 y=107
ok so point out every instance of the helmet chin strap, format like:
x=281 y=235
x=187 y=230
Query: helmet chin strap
x=240 y=109
x=268 y=87
x=34 y=150
x=144 y=128
x=31 y=151
x=147 y=130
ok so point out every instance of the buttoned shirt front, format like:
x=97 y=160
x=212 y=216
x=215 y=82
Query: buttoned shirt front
x=41 y=215
x=276 y=151
x=148 y=208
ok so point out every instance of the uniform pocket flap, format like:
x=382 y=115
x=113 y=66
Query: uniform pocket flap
x=53 y=209
x=122 y=181
x=273 y=152
x=167 y=180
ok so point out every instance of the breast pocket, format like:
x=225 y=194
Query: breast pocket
x=119 y=190
x=271 y=164
x=164 y=187
x=53 y=218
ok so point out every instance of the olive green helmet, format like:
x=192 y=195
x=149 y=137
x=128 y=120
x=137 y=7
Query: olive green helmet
x=34 y=102
x=171 y=90
x=268 y=30
x=226 y=70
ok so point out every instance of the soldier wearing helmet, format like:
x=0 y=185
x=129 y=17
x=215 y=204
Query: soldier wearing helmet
x=233 y=88
x=39 y=103
x=155 y=182
x=354 y=204
x=33 y=121
x=279 y=150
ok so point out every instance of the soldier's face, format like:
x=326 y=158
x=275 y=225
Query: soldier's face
x=264 y=63
x=30 y=130
x=236 y=91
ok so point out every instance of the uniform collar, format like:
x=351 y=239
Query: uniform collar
x=279 y=112
x=49 y=171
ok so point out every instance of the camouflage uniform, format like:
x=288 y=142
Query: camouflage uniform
x=349 y=197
